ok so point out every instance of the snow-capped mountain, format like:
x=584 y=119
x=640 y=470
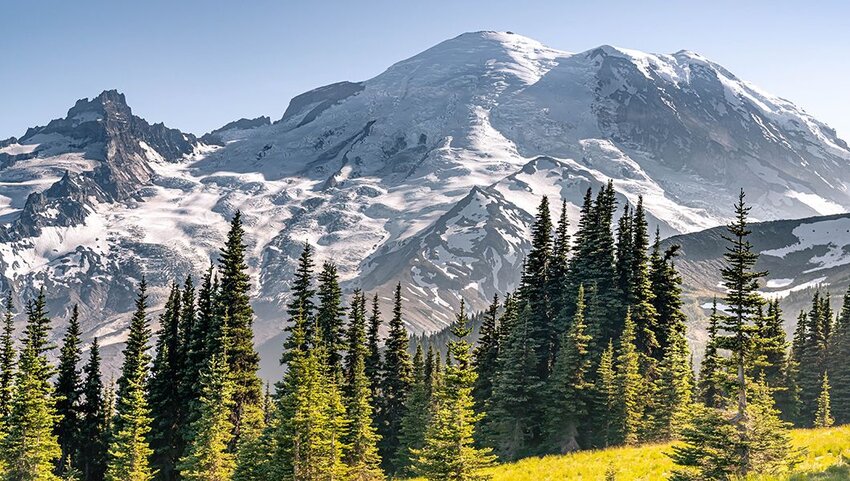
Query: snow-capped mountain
x=429 y=174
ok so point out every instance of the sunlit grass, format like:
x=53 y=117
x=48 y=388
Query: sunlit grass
x=824 y=458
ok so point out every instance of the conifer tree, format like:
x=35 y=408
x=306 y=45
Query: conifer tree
x=667 y=287
x=189 y=373
x=770 y=347
x=569 y=385
x=30 y=447
x=238 y=316
x=91 y=457
x=625 y=251
x=513 y=421
x=449 y=451
x=744 y=301
x=629 y=386
x=839 y=364
x=207 y=457
x=7 y=359
x=534 y=290
x=673 y=389
x=361 y=457
x=68 y=390
x=329 y=316
x=823 y=415
x=167 y=408
x=302 y=292
x=558 y=276
x=374 y=367
x=641 y=297
x=416 y=417
x=607 y=399
x=129 y=449
x=813 y=356
x=395 y=385
x=486 y=355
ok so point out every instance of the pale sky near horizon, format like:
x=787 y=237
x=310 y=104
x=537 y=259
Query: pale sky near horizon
x=197 y=65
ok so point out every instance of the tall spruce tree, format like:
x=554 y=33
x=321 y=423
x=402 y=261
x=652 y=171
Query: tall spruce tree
x=361 y=456
x=67 y=392
x=449 y=451
x=813 y=355
x=630 y=386
x=302 y=292
x=207 y=457
x=416 y=418
x=839 y=363
x=395 y=385
x=673 y=389
x=374 y=366
x=129 y=448
x=238 y=316
x=534 y=290
x=606 y=402
x=710 y=387
x=329 y=316
x=167 y=407
x=7 y=359
x=823 y=415
x=91 y=457
x=641 y=297
x=486 y=355
x=30 y=448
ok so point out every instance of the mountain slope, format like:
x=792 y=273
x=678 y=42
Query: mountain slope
x=428 y=173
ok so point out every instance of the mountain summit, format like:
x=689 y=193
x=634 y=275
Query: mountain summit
x=428 y=173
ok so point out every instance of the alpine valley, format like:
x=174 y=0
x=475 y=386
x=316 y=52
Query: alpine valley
x=427 y=174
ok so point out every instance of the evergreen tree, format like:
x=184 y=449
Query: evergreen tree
x=30 y=447
x=711 y=387
x=449 y=451
x=667 y=287
x=189 y=374
x=558 y=278
x=813 y=356
x=416 y=418
x=129 y=449
x=823 y=415
x=395 y=385
x=641 y=297
x=744 y=301
x=329 y=317
x=534 y=290
x=569 y=386
x=607 y=399
x=625 y=251
x=207 y=457
x=770 y=347
x=361 y=457
x=167 y=408
x=839 y=363
x=7 y=359
x=68 y=391
x=513 y=422
x=302 y=292
x=374 y=367
x=629 y=386
x=94 y=421
x=238 y=317
x=486 y=355
x=673 y=390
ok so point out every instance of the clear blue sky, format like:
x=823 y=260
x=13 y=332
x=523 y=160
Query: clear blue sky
x=196 y=65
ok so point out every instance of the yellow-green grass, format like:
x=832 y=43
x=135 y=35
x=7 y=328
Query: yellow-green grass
x=825 y=457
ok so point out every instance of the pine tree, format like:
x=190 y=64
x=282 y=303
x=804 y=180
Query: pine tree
x=813 y=356
x=94 y=421
x=629 y=386
x=302 y=292
x=568 y=386
x=535 y=292
x=823 y=415
x=839 y=363
x=449 y=451
x=416 y=418
x=68 y=391
x=189 y=374
x=7 y=359
x=625 y=251
x=667 y=287
x=770 y=347
x=129 y=449
x=167 y=407
x=30 y=447
x=744 y=301
x=606 y=399
x=641 y=297
x=395 y=385
x=329 y=317
x=238 y=316
x=207 y=457
x=711 y=371
x=361 y=457
x=374 y=367
x=673 y=390
x=486 y=355
x=558 y=278
x=512 y=421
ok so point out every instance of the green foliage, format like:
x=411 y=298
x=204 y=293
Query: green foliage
x=630 y=386
x=486 y=355
x=417 y=416
x=329 y=317
x=207 y=457
x=449 y=452
x=91 y=457
x=606 y=399
x=68 y=391
x=7 y=359
x=823 y=415
x=374 y=366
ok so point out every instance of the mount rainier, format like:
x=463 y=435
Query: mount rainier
x=428 y=173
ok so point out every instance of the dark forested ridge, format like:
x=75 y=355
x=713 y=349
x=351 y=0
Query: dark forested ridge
x=588 y=352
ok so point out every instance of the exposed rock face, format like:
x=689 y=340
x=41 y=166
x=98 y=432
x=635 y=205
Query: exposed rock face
x=429 y=174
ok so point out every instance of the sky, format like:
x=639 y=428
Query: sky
x=197 y=65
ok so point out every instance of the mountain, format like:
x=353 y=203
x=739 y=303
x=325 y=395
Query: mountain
x=428 y=173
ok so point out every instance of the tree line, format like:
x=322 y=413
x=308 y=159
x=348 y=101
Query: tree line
x=588 y=352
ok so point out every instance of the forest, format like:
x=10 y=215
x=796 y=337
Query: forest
x=589 y=351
